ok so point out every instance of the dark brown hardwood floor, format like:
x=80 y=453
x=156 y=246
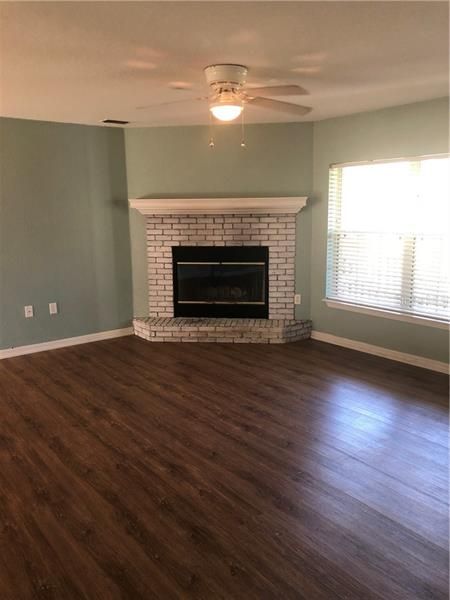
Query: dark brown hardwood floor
x=140 y=470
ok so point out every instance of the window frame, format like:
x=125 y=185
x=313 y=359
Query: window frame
x=366 y=309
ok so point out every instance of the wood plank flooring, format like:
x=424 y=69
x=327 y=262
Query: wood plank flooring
x=141 y=470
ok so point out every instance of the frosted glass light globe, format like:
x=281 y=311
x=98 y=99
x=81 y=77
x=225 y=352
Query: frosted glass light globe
x=226 y=112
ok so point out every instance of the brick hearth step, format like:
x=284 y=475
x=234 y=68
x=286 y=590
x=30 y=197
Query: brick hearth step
x=250 y=331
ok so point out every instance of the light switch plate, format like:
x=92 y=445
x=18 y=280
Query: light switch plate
x=28 y=310
x=297 y=299
x=53 y=308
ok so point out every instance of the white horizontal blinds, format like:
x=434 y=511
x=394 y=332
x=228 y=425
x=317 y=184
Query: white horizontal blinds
x=388 y=236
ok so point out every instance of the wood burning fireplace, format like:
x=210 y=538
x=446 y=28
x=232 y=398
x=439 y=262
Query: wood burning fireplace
x=246 y=292
x=218 y=281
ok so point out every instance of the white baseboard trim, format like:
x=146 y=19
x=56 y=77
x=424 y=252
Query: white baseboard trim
x=73 y=341
x=410 y=359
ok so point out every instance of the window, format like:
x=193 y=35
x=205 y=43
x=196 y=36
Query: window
x=388 y=242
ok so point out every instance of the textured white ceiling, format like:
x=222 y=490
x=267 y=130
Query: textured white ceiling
x=81 y=62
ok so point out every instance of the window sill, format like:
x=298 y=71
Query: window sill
x=386 y=314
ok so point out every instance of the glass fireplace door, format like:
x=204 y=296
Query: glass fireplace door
x=221 y=282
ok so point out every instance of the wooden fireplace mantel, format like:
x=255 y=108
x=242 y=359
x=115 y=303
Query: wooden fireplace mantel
x=186 y=206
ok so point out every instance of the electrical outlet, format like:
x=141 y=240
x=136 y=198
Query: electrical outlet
x=28 y=310
x=297 y=299
x=53 y=308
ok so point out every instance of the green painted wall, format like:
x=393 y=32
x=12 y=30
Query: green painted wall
x=64 y=233
x=177 y=161
x=409 y=130
x=64 y=223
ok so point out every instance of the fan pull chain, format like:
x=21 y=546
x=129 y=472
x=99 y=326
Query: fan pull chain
x=243 y=144
x=211 y=138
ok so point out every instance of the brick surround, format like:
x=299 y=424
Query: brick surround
x=277 y=231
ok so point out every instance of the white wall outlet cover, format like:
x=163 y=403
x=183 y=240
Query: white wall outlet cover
x=53 y=308
x=28 y=310
x=297 y=299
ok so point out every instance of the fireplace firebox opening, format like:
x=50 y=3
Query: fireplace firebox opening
x=220 y=281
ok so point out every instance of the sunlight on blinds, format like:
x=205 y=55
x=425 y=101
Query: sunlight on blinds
x=388 y=236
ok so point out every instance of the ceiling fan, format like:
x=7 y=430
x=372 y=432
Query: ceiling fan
x=229 y=96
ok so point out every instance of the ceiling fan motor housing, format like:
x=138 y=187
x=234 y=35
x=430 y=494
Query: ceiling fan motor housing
x=226 y=76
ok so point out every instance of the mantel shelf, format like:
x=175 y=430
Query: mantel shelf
x=186 y=206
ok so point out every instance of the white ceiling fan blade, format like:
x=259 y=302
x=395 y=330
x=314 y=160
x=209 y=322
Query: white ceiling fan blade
x=276 y=90
x=158 y=104
x=287 y=107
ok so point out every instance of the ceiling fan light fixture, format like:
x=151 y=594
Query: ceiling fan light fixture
x=228 y=95
x=226 y=105
x=226 y=112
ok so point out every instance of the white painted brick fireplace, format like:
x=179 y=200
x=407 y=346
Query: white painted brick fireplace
x=267 y=222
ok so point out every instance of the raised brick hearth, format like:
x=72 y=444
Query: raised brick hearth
x=250 y=331
x=274 y=227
